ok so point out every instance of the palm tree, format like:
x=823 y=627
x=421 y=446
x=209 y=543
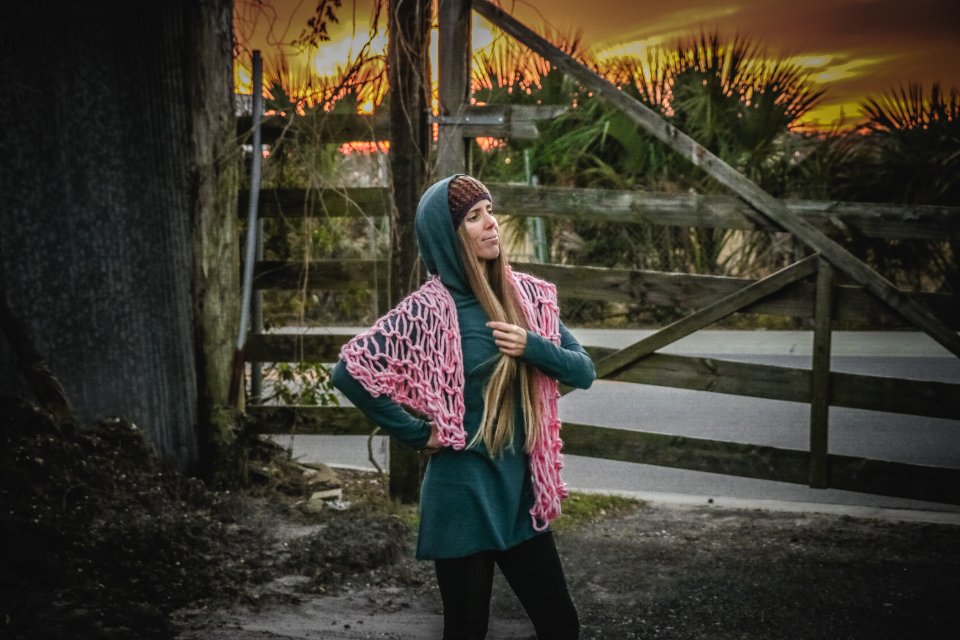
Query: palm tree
x=914 y=141
x=728 y=95
x=731 y=97
x=911 y=155
x=743 y=106
x=509 y=73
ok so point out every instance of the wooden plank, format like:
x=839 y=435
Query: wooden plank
x=765 y=205
x=842 y=219
x=854 y=391
x=706 y=316
x=682 y=452
x=515 y=121
x=309 y=420
x=609 y=285
x=719 y=376
x=854 y=304
x=820 y=377
x=895 y=395
x=299 y=347
x=897 y=479
x=875 y=220
x=909 y=222
x=318 y=274
x=494 y=120
x=917 y=482
x=299 y=203
x=454 y=55
x=690 y=291
x=334 y=128
x=875 y=393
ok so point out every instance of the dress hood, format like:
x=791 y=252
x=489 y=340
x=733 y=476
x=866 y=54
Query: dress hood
x=437 y=239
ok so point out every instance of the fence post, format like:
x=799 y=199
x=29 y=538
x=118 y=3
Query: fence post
x=820 y=377
x=454 y=49
x=237 y=376
x=541 y=251
x=256 y=326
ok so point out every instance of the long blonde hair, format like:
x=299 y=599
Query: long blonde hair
x=498 y=298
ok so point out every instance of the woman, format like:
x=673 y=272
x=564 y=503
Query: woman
x=477 y=351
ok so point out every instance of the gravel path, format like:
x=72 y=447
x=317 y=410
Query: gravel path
x=674 y=572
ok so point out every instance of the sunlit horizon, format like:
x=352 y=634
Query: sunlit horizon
x=847 y=75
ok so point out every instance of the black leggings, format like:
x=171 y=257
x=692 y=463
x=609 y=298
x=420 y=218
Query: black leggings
x=532 y=569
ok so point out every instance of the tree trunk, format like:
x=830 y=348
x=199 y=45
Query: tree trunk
x=118 y=192
x=408 y=69
x=215 y=232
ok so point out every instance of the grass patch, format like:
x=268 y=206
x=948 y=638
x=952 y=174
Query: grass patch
x=368 y=496
x=582 y=508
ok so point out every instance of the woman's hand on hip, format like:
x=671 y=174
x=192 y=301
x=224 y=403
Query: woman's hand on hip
x=433 y=442
x=509 y=338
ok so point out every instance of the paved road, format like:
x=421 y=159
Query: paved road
x=769 y=422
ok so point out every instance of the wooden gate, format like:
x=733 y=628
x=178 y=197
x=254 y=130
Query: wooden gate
x=807 y=288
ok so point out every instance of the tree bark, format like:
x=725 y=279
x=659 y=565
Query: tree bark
x=408 y=70
x=118 y=206
x=214 y=233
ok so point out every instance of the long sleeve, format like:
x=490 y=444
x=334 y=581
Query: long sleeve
x=383 y=411
x=567 y=362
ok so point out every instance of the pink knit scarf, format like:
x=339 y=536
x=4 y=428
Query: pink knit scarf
x=413 y=355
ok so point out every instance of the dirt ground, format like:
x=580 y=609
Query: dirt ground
x=673 y=572
x=104 y=541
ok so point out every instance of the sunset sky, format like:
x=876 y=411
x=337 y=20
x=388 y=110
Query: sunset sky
x=854 y=48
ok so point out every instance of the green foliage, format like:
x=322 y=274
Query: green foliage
x=907 y=152
x=303 y=158
x=301 y=239
x=316 y=30
x=746 y=107
x=507 y=73
x=299 y=383
x=735 y=101
x=727 y=95
x=913 y=149
x=582 y=508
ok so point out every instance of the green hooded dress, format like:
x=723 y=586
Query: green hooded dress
x=469 y=501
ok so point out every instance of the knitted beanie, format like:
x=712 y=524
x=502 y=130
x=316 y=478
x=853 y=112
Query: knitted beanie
x=462 y=193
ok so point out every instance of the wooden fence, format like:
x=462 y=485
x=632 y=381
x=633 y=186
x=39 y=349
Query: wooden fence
x=806 y=289
x=797 y=291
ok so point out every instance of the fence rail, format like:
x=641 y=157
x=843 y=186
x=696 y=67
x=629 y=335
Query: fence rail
x=849 y=473
x=640 y=287
x=855 y=391
x=319 y=274
x=839 y=219
x=794 y=294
